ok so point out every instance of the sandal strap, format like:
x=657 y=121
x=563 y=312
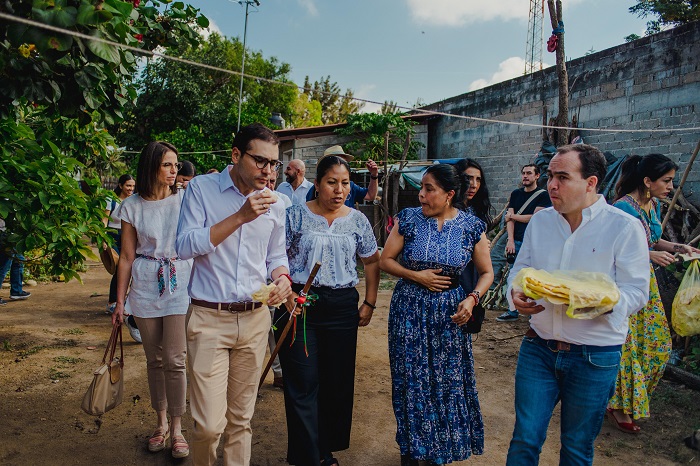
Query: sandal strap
x=179 y=443
x=159 y=436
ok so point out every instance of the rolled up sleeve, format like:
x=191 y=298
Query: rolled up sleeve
x=192 y=235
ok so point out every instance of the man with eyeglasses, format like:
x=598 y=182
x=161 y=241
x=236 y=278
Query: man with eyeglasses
x=234 y=229
x=297 y=186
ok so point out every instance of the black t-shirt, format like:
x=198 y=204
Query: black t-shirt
x=518 y=199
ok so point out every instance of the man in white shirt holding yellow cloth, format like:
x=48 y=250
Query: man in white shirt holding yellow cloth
x=574 y=361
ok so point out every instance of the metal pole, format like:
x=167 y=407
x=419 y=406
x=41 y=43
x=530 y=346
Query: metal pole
x=240 y=92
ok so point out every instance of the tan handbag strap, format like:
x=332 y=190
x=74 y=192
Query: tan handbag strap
x=111 y=348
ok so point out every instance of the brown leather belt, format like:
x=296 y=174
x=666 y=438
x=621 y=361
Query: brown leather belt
x=241 y=306
x=556 y=345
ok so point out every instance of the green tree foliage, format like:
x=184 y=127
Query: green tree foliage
x=306 y=112
x=369 y=129
x=57 y=93
x=335 y=107
x=389 y=106
x=666 y=13
x=197 y=109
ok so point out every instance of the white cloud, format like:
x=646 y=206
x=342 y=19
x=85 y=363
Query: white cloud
x=309 y=6
x=213 y=27
x=508 y=69
x=460 y=12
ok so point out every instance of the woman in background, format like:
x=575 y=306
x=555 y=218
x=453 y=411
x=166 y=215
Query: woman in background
x=158 y=296
x=185 y=174
x=643 y=181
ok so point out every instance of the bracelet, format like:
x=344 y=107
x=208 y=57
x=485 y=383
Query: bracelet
x=372 y=306
x=374 y=177
x=474 y=294
x=677 y=247
x=288 y=278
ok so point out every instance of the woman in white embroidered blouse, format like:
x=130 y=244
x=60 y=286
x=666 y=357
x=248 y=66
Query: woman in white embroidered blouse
x=318 y=358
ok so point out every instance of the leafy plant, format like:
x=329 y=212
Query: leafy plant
x=58 y=93
x=666 y=13
x=369 y=130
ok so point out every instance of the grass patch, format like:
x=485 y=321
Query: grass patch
x=56 y=374
x=30 y=351
x=6 y=345
x=67 y=360
x=74 y=331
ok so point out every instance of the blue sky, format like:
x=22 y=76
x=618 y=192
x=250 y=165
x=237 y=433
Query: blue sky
x=403 y=50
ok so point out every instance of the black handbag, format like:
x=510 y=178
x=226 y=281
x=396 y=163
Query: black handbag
x=468 y=281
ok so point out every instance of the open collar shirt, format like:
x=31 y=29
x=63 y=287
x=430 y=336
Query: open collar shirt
x=608 y=241
x=236 y=268
x=298 y=196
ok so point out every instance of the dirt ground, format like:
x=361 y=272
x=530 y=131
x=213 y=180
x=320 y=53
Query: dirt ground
x=46 y=363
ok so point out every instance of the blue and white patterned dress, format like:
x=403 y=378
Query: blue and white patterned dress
x=432 y=368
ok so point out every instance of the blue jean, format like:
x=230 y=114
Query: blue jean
x=582 y=380
x=15 y=265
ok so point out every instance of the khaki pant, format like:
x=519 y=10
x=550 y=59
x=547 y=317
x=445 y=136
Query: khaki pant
x=164 y=345
x=225 y=353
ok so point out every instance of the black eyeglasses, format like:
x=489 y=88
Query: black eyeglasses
x=262 y=162
x=169 y=165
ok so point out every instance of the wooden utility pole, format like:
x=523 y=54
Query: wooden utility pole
x=555 y=15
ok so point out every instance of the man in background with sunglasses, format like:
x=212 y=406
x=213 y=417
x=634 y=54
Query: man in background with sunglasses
x=234 y=229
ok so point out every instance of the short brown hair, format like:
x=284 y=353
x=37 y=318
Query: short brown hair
x=592 y=160
x=251 y=132
x=149 y=164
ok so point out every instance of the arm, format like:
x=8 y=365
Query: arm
x=429 y=278
x=371 y=264
x=126 y=260
x=510 y=230
x=373 y=187
x=631 y=274
x=522 y=218
x=195 y=239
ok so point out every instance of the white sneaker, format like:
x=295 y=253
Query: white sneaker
x=133 y=331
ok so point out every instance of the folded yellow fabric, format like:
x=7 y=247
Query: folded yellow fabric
x=587 y=294
x=263 y=294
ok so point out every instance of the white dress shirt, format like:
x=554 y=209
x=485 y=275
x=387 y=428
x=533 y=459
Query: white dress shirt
x=237 y=267
x=298 y=196
x=284 y=199
x=609 y=241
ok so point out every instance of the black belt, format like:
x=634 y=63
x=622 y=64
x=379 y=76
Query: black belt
x=241 y=306
x=556 y=345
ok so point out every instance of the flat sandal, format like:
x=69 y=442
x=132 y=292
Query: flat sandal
x=180 y=448
x=156 y=442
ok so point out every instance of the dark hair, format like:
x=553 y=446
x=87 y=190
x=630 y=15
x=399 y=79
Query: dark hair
x=592 y=160
x=450 y=179
x=251 y=132
x=636 y=168
x=535 y=168
x=187 y=169
x=327 y=163
x=122 y=179
x=149 y=164
x=481 y=202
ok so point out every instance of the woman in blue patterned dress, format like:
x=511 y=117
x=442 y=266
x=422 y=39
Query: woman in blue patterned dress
x=648 y=345
x=434 y=388
x=318 y=357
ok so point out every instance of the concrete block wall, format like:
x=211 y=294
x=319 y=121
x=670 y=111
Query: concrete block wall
x=651 y=83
